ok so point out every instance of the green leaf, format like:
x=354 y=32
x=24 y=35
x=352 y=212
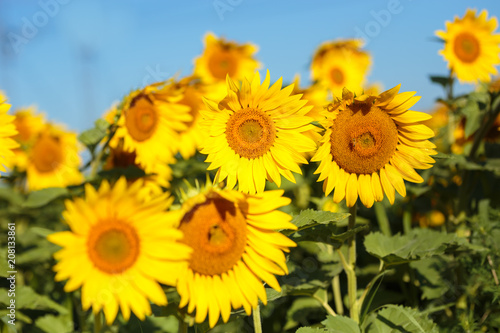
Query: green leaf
x=473 y=116
x=341 y=324
x=42 y=197
x=300 y=310
x=310 y=217
x=54 y=324
x=27 y=298
x=273 y=294
x=443 y=81
x=8 y=194
x=394 y=319
x=314 y=225
x=419 y=244
x=314 y=330
x=91 y=137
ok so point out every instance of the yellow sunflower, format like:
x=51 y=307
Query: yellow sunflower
x=470 y=46
x=235 y=248
x=192 y=92
x=371 y=144
x=257 y=133
x=53 y=159
x=157 y=176
x=28 y=124
x=340 y=64
x=221 y=58
x=7 y=132
x=119 y=248
x=150 y=121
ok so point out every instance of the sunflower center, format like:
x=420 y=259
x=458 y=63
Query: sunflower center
x=222 y=63
x=141 y=119
x=216 y=231
x=113 y=246
x=363 y=139
x=46 y=153
x=467 y=47
x=337 y=76
x=250 y=133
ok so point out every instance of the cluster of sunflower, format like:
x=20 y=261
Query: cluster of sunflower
x=219 y=244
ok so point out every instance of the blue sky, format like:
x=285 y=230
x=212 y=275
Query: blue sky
x=74 y=58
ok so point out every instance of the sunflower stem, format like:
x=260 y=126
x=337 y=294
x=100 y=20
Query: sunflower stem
x=337 y=295
x=350 y=268
x=406 y=221
x=257 y=325
x=97 y=322
x=383 y=221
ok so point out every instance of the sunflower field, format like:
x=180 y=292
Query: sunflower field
x=228 y=200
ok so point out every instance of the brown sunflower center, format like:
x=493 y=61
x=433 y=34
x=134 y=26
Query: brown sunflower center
x=222 y=63
x=141 y=119
x=337 y=76
x=363 y=139
x=216 y=231
x=113 y=246
x=467 y=47
x=250 y=133
x=47 y=153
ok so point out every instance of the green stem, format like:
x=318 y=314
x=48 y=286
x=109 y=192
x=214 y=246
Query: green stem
x=337 y=296
x=183 y=326
x=406 y=221
x=350 y=269
x=97 y=322
x=257 y=325
x=383 y=221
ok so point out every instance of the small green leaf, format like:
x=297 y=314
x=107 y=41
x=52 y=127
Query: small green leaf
x=42 y=197
x=392 y=319
x=314 y=330
x=443 y=81
x=341 y=324
x=91 y=137
x=310 y=217
x=54 y=324
x=27 y=298
x=473 y=117
x=419 y=244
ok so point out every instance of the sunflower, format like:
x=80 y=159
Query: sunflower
x=371 y=144
x=257 y=133
x=53 y=159
x=235 y=248
x=470 y=46
x=221 y=58
x=192 y=91
x=158 y=176
x=149 y=123
x=119 y=248
x=28 y=124
x=7 y=131
x=340 y=64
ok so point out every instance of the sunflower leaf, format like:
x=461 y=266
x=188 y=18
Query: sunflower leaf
x=444 y=81
x=473 y=116
x=394 y=318
x=55 y=324
x=91 y=137
x=42 y=197
x=341 y=324
x=309 y=218
x=418 y=244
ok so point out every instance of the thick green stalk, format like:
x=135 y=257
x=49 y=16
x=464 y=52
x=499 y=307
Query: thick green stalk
x=97 y=322
x=352 y=285
x=337 y=296
x=257 y=325
x=383 y=221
